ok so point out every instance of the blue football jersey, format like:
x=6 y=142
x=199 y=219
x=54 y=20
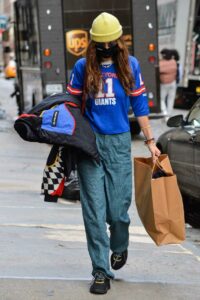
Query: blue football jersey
x=107 y=112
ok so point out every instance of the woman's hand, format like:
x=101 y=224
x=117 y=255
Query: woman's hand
x=155 y=152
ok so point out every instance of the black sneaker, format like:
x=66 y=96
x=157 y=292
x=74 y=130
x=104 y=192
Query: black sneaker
x=100 y=284
x=118 y=260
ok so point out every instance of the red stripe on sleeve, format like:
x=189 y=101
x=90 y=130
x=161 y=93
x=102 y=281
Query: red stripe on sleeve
x=73 y=91
x=139 y=91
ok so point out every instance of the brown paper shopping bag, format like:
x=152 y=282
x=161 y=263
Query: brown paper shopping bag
x=158 y=200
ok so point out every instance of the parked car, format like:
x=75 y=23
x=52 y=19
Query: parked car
x=182 y=144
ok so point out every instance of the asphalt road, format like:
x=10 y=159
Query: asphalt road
x=43 y=245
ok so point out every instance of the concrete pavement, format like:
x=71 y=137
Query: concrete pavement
x=43 y=247
x=74 y=290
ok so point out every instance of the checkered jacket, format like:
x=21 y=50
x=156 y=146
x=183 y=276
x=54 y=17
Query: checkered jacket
x=54 y=173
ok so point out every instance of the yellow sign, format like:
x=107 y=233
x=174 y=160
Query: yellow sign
x=77 y=41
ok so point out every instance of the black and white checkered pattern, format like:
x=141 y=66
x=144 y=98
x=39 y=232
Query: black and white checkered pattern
x=53 y=175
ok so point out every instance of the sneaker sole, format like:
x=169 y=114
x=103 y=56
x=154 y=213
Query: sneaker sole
x=99 y=291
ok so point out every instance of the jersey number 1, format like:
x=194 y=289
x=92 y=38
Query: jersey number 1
x=109 y=87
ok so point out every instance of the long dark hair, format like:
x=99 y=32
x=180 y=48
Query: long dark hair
x=93 y=77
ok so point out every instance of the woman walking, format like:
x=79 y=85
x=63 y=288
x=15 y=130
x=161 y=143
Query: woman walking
x=108 y=80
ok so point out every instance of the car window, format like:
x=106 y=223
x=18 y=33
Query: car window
x=194 y=116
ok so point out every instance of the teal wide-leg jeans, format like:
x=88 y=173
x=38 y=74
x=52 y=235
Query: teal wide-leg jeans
x=106 y=192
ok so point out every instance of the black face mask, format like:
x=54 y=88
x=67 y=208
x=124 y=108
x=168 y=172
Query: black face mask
x=106 y=52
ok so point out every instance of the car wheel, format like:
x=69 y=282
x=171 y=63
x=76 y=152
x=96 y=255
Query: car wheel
x=192 y=211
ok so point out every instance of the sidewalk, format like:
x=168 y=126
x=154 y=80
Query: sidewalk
x=71 y=290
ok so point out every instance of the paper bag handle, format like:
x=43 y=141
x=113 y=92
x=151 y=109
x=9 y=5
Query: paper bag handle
x=157 y=163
